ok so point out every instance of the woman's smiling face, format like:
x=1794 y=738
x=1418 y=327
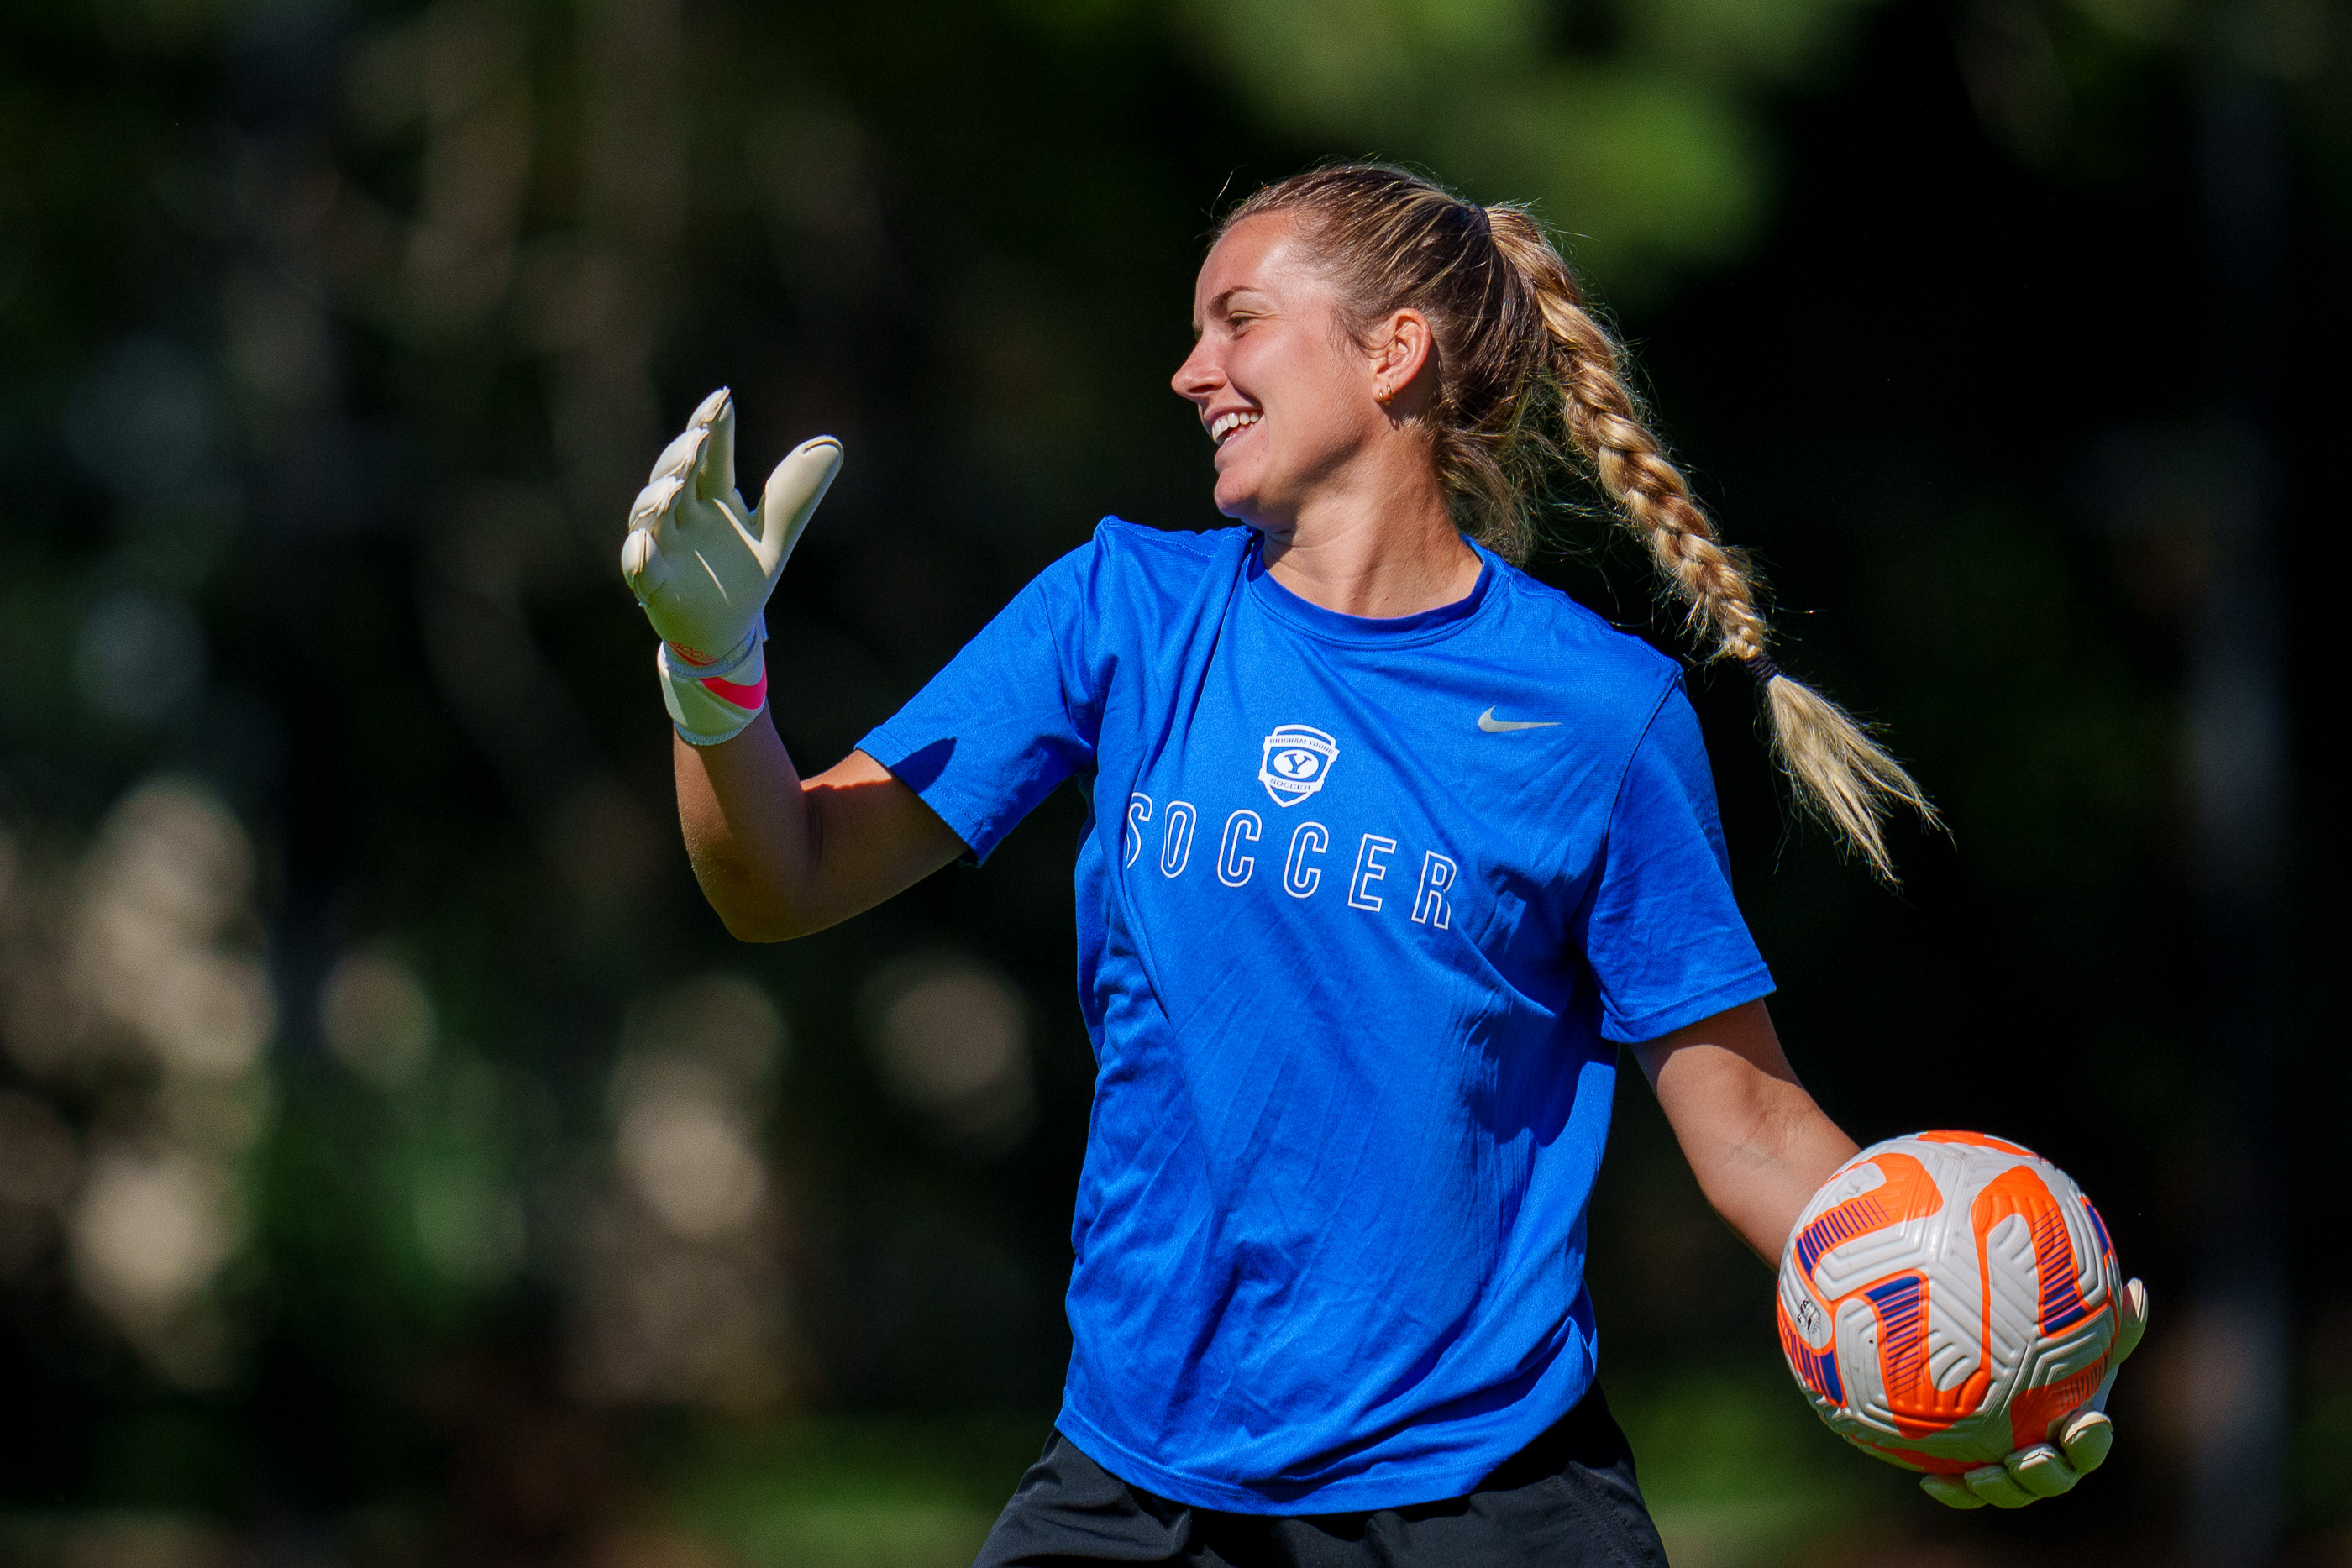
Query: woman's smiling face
x=1281 y=387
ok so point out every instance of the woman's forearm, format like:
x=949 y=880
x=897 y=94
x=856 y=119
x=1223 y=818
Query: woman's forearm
x=1758 y=1144
x=1760 y=1183
x=779 y=856
x=748 y=834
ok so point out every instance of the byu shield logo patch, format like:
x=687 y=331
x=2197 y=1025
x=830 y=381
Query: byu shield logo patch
x=1295 y=761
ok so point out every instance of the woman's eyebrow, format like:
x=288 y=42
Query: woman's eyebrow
x=1217 y=305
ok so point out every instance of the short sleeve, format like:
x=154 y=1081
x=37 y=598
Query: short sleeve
x=1000 y=727
x=1658 y=926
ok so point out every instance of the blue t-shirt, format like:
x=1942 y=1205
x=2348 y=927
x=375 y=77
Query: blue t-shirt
x=1362 y=904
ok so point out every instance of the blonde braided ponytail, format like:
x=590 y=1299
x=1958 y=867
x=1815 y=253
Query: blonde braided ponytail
x=1519 y=355
x=1839 y=772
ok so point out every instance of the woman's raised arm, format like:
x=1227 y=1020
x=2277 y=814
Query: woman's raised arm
x=777 y=856
x=780 y=856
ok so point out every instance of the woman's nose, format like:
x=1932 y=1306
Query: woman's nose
x=1197 y=376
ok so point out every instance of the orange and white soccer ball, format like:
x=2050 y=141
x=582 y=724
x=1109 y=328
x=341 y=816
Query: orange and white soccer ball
x=1947 y=1299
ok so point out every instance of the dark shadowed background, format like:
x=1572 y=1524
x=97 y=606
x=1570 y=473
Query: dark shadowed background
x=398 y=1164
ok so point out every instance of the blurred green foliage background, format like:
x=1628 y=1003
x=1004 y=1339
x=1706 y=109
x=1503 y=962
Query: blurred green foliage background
x=398 y=1165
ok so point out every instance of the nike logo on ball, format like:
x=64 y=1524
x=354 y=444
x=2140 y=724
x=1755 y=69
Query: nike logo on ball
x=1493 y=725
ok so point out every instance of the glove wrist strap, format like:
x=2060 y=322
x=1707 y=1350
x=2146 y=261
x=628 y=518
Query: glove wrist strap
x=715 y=702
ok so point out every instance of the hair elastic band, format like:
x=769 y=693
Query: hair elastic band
x=1760 y=665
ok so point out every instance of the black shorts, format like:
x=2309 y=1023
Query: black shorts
x=1567 y=1501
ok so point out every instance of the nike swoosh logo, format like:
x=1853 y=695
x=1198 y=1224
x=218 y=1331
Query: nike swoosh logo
x=1493 y=725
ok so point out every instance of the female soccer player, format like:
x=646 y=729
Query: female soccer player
x=1392 y=847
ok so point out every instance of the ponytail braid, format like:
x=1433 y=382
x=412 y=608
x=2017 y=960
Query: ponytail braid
x=1839 y=772
x=1517 y=348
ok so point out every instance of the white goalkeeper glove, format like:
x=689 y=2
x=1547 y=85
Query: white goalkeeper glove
x=702 y=565
x=2078 y=1442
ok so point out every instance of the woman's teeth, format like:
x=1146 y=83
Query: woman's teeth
x=1226 y=424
